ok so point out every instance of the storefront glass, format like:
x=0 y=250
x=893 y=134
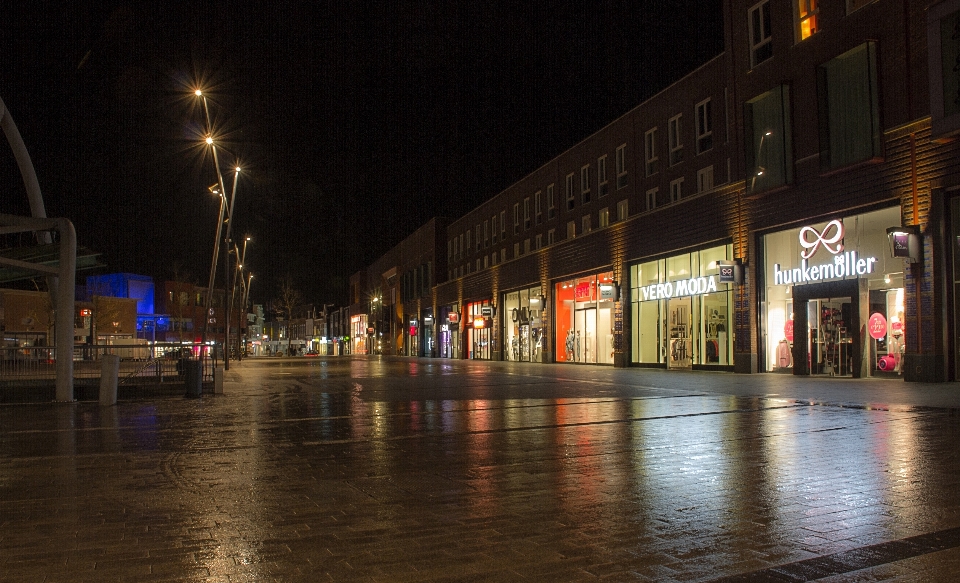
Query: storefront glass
x=358 y=331
x=584 y=319
x=448 y=338
x=843 y=272
x=522 y=325
x=682 y=311
x=479 y=329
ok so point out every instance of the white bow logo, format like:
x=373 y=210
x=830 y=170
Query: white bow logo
x=810 y=247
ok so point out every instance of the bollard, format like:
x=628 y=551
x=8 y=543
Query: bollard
x=218 y=380
x=193 y=377
x=109 y=373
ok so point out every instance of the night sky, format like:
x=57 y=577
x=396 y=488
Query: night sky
x=355 y=122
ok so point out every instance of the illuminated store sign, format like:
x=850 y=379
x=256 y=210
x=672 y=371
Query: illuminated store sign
x=845 y=263
x=685 y=287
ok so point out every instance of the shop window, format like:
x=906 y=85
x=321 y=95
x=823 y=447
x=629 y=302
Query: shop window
x=584 y=311
x=673 y=135
x=571 y=197
x=849 y=111
x=705 y=179
x=704 y=126
x=602 y=186
x=650 y=151
x=621 y=166
x=652 y=198
x=604 y=219
x=676 y=190
x=761 y=45
x=585 y=183
x=807 y=12
x=767 y=140
x=623 y=210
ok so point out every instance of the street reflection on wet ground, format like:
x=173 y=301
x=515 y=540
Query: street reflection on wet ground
x=358 y=469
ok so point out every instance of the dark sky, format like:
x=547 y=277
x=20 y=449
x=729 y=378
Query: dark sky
x=355 y=122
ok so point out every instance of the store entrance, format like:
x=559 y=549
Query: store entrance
x=680 y=334
x=827 y=329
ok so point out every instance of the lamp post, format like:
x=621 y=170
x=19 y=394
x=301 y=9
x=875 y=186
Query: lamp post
x=241 y=259
x=226 y=272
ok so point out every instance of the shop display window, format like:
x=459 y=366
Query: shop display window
x=682 y=312
x=523 y=325
x=584 y=319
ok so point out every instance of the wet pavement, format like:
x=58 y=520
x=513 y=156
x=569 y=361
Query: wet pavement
x=368 y=469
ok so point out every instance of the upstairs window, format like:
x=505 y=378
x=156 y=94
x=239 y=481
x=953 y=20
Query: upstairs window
x=621 y=166
x=571 y=230
x=585 y=183
x=849 y=110
x=551 y=202
x=761 y=44
x=493 y=228
x=807 y=11
x=503 y=225
x=767 y=140
x=705 y=179
x=704 y=126
x=676 y=190
x=478 y=237
x=526 y=213
x=516 y=218
x=604 y=218
x=673 y=134
x=602 y=186
x=652 y=198
x=571 y=197
x=650 y=151
x=623 y=210
x=538 y=206
x=486 y=234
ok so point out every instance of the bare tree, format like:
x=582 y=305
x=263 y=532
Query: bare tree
x=287 y=302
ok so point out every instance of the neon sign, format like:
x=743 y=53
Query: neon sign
x=845 y=263
x=685 y=287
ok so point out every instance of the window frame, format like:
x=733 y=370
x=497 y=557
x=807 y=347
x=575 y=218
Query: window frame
x=585 y=184
x=651 y=198
x=538 y=207
x=650 y=152
x=674 y=141
x=676 y=189
x=701 y=174
x=623 y=209
x=603 y=218
x=803 y=13
x=551 y=201
x=765 y=42
x=571 y=196
x=516 y=218
x=603 y=186
x=704 y=126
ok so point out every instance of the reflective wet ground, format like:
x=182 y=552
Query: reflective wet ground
x=423 y=470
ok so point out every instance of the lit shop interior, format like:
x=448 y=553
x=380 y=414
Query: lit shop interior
x=479 y=330
x=843 y=271
x=523 y=327
x=682 y=312
x=584 y=319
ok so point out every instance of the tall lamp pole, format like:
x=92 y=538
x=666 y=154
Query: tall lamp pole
x=226 y=272
x=241 y=259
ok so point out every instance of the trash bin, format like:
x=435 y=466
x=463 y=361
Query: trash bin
x=193 y=377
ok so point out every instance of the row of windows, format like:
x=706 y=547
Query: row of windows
x=703 y=124
x=806 y=17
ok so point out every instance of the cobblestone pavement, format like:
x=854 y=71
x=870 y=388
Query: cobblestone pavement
x=367 y=469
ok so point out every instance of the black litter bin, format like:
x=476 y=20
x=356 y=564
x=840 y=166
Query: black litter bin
x=193 y=377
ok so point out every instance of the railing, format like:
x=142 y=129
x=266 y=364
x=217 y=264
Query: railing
x=154 y=363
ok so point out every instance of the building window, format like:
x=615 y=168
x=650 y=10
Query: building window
x=461 y=250
x=539 y=241
x=503 y=255
x=673 y=134
x=705 y=179
x=493 y=258
x=704 y=126
x=478 y=237
x=585 y=224
x=650 y=151
x=623 y=210
x=486 y=234
x=493 y=228
x=604 y=218
x=571 y=197
x=676 y=190
x=503 y=226
x=551 y=202
x=538 y=206
x=602 y=186
x=478 y=264
x=469 y=246
x=767 y=140
x=450 y=250
x=516 y=250
x=585 y=183
x=486 y=263
x=526 y=213
x=526 y=246
x=652 y=198
x=516 y=218
x=807 y=11
x=849 y=112
x=621 y=166
x=571 y=230
x=551 y=236
x=761 y=45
